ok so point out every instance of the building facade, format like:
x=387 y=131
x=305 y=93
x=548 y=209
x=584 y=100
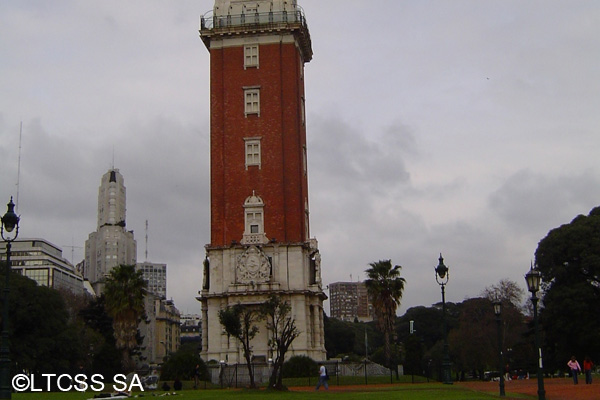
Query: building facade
x=260 y=238
x=111 y=244
x=155 y=276
x=349 y=301
x=160 y=331
x=43 y=262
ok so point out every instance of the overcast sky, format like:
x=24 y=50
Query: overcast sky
x=468 y=128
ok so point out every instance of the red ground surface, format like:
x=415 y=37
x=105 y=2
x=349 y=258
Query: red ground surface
x=556 y=388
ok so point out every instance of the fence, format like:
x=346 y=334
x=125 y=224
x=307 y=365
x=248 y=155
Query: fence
x=236 y=375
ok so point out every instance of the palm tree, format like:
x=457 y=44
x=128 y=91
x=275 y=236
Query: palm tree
x=124 y=291
x=385 y=287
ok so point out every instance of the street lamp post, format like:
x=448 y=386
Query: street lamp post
x=441 y=277
x=10 y=221
x=498 y=312
x=533 y=279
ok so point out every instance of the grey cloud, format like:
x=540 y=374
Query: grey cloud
x=529 y=200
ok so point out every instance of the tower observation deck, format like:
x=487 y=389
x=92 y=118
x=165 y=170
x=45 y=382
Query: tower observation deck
x=230 y=17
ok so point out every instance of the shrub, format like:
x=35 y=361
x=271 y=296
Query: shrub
x=300 y=367
x=182 y=363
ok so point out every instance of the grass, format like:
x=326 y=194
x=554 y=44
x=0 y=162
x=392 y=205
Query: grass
x=406 y=391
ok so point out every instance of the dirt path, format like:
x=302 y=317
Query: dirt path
x=556 y=388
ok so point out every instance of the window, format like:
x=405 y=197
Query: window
x=252 y=101
x=251 y=56
x=252 y=151
x=254 y=231
x=254 y=221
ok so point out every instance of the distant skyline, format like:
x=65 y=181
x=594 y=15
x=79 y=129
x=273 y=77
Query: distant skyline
x=465 y=128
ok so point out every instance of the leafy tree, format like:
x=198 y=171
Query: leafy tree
x=124 y=290
x=514 y=328
x=414 y=354
x=182 y=364
x=42 y=338
x=474 y=343
x=568 y=259
x=239 y=322
x=102 y=354
x=385 y=287
x=339 y=336
x=283 y=332
x=426 y=323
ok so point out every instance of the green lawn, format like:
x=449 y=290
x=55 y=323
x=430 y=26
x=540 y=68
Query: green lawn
x=421 y=391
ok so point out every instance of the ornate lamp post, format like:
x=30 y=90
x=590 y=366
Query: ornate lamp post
x=441 y=277
x=10 y=221
x=533 y=279
x=498 y=312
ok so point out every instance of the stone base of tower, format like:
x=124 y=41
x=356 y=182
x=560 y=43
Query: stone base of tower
x=248 y=275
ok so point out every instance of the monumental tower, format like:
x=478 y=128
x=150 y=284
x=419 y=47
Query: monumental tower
x=260 y=240
x=111 y=244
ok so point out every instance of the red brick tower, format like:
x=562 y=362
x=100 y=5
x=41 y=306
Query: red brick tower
x=260 y=241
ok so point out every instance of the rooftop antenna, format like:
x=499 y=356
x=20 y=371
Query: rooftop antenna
x=146 y=240
x=19 y=165
x=73 y=247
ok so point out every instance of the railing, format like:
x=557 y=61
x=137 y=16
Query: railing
x=236 y=375
x=209 y=21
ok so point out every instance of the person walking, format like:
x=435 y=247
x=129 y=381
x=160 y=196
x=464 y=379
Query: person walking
x=196 y=375
x=323 y=377
x=587 y=369
x=574 y=367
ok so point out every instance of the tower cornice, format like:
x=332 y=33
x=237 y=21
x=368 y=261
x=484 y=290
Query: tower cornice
x=261 y=23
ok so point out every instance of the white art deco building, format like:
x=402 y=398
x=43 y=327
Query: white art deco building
x=111 y=244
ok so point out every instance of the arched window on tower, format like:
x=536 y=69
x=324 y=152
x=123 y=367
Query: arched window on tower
x=254 y=231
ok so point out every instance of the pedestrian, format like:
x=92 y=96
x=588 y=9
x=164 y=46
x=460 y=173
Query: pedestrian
x=196 y=375
x=507 y=376
x=587 y=369
x=323 y=377
x=574 y=367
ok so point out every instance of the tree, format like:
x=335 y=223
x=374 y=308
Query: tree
x=474 y=342
x=385 y=287
x=568 y=259
x=510 y=294
x=42 y=340
x=507 y=292
x=124 y=290
x=182 y=364
x=283 y=332
x=103 y=357
x=239 y=322
x=339 y=336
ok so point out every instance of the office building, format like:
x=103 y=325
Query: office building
x=349 y=301
x=42 y=261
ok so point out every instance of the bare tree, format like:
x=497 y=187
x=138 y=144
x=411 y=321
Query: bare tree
x=239 y=322
x=283 y=331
